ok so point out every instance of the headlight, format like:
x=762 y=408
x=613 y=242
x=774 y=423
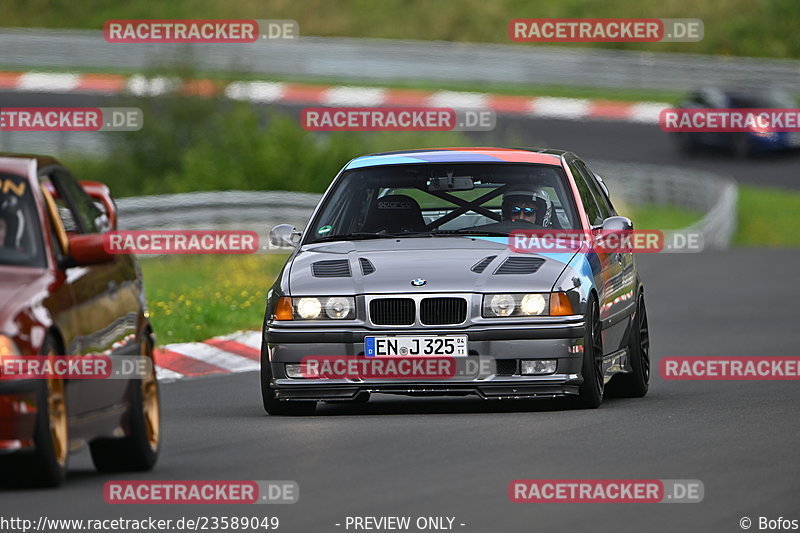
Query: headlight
x=515 y=305
x=8 y=347
x=337 y=307
x=502 y=304
x=312 y=308
x=533 y=304
x=308 y=308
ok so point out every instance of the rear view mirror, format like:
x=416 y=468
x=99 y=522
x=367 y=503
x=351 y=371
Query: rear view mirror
x=283 y=235
x=101 y=194
x=450 y=183
x=88 y=249
x=616 y=224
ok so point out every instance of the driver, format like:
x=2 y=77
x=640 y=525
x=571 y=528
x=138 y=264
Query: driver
x=527 y=203
x=9 y=223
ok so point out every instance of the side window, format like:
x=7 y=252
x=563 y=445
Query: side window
x=587 y=198
x=603 y=203
x=79 y=212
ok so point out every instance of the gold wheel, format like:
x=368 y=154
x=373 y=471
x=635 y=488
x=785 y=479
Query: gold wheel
x=57 y=414
x=150 y=400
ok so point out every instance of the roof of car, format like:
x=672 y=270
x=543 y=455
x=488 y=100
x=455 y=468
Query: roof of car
x=459 y=155
x=41 y=160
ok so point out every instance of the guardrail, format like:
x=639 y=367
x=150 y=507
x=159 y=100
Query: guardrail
x=384 y=59
x=635 y=184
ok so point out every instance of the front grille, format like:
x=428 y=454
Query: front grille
x=392 y=311
x=506 y=367
x=442 y=311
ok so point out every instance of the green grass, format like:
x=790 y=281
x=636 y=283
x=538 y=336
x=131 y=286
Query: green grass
x=761 y=28
x=768 y=217
x=660 y=217
x=195 y=297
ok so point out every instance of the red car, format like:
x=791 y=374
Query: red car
x=61 y=293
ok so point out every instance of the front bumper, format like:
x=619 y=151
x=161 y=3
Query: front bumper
x=507 y=345
x=18 y=407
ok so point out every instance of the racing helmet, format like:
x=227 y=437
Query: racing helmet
x=529 y=194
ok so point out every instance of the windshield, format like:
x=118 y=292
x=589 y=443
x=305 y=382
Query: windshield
x=774 y=99
x=20 y=238
x=422 y=200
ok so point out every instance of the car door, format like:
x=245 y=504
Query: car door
x=621 y=277
x=105 y=296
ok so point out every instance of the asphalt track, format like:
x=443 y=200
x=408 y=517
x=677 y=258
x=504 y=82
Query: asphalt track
x=590 y=139
x=419 y=457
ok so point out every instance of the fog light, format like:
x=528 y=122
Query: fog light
x=538 y=367
x=295 y=370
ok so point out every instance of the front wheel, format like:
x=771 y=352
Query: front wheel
x=636 y=383
x=138 y=451
x=590 y=393
x=46 y=465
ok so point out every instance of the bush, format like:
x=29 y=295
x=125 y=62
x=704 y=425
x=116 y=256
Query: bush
x=191 y=144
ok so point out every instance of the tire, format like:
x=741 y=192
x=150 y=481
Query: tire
x=46 y=465
x=590 y=393
x=636 y=383
x=272 y=405
x=138 y=452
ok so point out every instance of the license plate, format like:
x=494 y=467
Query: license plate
x=435 y=346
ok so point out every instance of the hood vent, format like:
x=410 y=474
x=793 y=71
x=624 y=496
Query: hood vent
x=366 y=266
x=520 y=265
x=481 y=265
x=337 y=268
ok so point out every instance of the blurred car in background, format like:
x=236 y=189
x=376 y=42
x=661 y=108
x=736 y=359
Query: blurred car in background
x=738 y=144
x=61 y=293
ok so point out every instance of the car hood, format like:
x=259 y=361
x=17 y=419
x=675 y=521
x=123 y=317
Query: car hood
x=446 y=264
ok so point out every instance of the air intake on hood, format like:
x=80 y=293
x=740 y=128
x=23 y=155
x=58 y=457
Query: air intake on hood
x=366 y=266
x=337 y=268
x=520 y=265
x=481 y=265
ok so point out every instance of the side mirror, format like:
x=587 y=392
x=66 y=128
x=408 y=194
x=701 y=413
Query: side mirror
x=283 y=235
x=613 y=224
x=88 y=250
x=100 y=193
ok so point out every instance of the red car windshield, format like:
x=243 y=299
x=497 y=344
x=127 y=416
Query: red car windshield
x=20 y=235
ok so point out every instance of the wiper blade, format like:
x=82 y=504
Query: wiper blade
x=480 y=233
x=354 y=237
x=447 y=232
